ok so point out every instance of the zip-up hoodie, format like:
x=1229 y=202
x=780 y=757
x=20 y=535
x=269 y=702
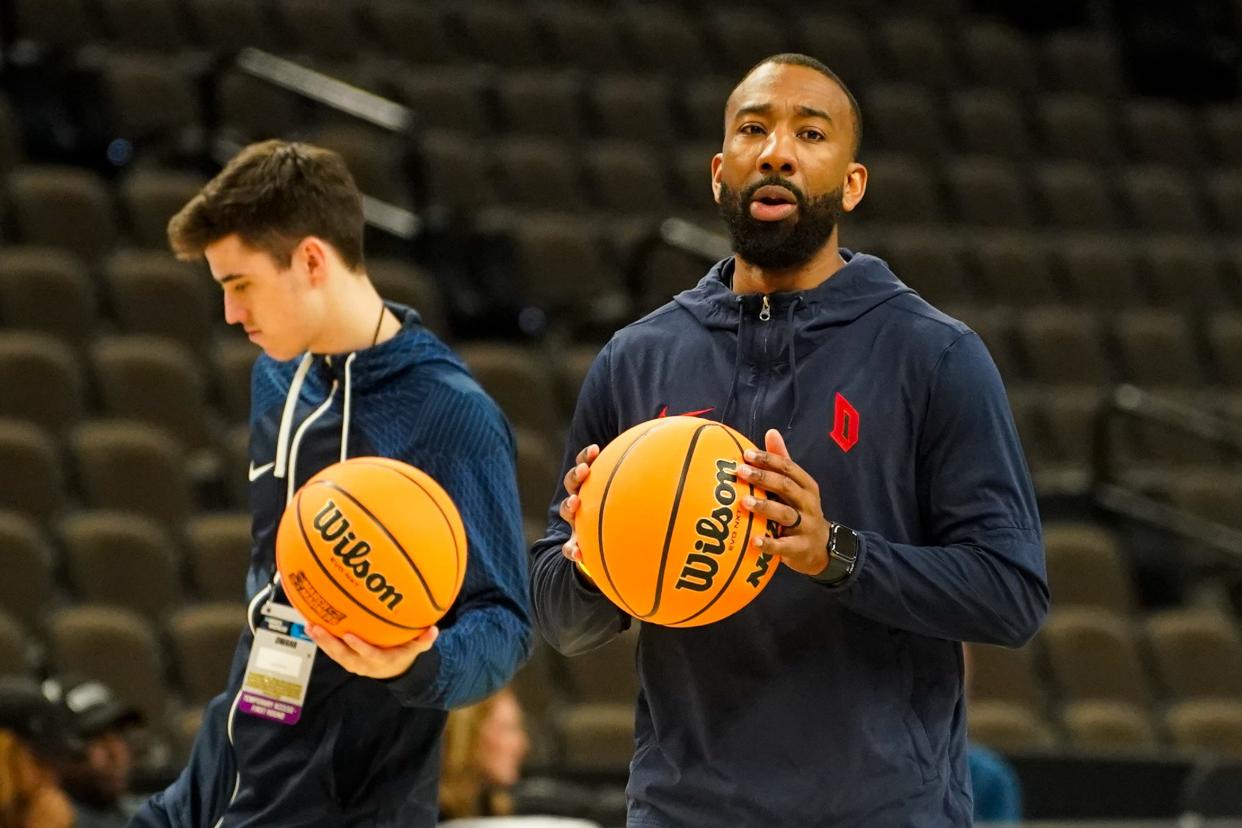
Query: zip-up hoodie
x=815 y=705
x=365 y=752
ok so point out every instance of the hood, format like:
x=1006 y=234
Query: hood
x=352 y=372
x=863 y=283
x=413 y=344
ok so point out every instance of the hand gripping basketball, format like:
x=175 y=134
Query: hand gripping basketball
x=569 y=506
x=659 y=526
x=795 y=506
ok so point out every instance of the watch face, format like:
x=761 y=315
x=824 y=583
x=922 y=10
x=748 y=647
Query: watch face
x=844 y=542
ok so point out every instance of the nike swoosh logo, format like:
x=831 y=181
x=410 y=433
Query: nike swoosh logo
x=700 y=412
x=258 y=471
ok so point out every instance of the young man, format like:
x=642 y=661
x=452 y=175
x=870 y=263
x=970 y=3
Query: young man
x=343 y=374
x=909 y=520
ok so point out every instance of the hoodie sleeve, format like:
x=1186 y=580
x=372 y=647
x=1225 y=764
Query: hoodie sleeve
x=486 y=637
x=982 y=577
x=572 y=614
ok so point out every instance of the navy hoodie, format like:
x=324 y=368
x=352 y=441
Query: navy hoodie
x=819 y=705
x=365 y=752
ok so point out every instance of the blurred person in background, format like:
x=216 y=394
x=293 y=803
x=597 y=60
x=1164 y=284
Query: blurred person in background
x=33 y=737
x=484 y=747
x=97 y=779
x=994 y=783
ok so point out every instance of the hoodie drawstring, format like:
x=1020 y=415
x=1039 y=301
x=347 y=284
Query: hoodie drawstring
x=737 y=364
x=793 y=359
x=345 y=416
x=286 y=418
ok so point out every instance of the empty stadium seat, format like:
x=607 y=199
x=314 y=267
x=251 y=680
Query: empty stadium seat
x=1064 y=345
x=151 y=196
x=1109 y=727
x=47 y=290
x=1086 y=569
x=500 y=33
x=546 y=103
x=64 y=207
x=32 y=467
x=517 y=379
x=1075 y=195
x=43 y=381
x=1208 y=726
x=154 y=380
x=1004 y=674
x=204 y=638
x=988 y=192
x=27 y=591
x=133 y=467
x=904 y=118
x=1197 y=654
x=900 y=189
x=218 y=546
x=1093 y=657
x=1007 y=727
x=84 y=640
x=122 y=560
x=917 y=51
x=582 y=36
x=741 y=37
x=1014 y=268
x=637 y=108
x=153 y=293
x=997 y=55
x=1076 y=127
x=15 y=649
x=990 y=122
x=1083 y=61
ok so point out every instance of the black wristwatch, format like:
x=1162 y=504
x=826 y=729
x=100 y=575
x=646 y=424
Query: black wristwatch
x=843 y=545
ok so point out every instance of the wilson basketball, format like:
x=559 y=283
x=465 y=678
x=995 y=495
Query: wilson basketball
x=661 y=527
x=374 y=547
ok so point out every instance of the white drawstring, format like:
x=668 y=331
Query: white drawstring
x=286 y=418
x=345 y=416
x=297 y=441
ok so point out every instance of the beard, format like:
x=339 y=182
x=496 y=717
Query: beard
x=784 y=244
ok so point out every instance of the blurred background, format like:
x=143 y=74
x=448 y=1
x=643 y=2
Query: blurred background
x=1065 y=177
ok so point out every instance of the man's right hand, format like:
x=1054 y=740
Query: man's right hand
x=569 y=506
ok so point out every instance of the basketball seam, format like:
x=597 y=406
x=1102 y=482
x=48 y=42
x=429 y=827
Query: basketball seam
x=672 y=518
x=315 y=557
x=457 y=555
x=603 y=503
x=750 y=523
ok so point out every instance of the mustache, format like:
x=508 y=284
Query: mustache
x=748 y=194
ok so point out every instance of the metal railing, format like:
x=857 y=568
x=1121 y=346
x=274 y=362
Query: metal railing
x=343 y=98
x=1113 y=493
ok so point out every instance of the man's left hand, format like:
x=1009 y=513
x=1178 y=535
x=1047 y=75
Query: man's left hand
x=363 y=659
x=795 y=506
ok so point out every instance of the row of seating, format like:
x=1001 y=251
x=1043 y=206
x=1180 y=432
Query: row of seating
x=908 y=43
x=122 y=559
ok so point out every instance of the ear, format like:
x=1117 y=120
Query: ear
x=717 y=164
x=854 y=187
x=313 y=255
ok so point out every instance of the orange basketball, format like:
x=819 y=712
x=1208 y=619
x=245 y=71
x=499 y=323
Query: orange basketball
x=374 y=547
x=661 y=528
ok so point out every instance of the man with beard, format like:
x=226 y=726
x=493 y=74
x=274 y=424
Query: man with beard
x=908 y=517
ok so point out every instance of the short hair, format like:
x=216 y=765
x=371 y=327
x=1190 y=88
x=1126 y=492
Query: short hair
x=797 y=59
x=272 y=195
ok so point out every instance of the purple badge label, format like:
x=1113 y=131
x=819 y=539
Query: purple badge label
x=264 y=707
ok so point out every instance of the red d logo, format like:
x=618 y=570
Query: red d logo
x=844 y=423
